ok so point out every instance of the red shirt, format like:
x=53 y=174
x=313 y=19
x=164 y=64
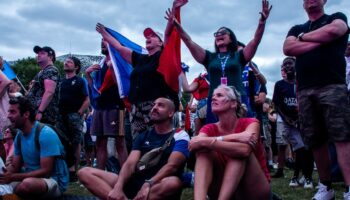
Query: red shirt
x=212 y=131
x=203 y=88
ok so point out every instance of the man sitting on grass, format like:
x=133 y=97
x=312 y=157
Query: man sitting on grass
x=158 y=182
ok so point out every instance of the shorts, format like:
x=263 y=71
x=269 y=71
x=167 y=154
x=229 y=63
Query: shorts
x=201 y=111
x=324 y=114
x=53 y=190
x=105 y=123
x=71 y=125
x=289 y=135
x=133 y=186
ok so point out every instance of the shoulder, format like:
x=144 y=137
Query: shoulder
x=208 y=128
x=247 y=121
x=47 y=133
x=339 y=15
x=181 y=135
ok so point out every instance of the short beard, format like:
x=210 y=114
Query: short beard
x=104 y=52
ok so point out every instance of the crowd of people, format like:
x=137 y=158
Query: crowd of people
x=239 y=135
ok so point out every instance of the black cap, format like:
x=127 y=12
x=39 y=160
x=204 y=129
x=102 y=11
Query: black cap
x=49 y=51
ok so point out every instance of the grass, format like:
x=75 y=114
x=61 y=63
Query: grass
x=279 y=187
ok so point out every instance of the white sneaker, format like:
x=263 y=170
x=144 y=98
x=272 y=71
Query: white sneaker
x=346 y=195
x=294 y=182
x=308 y=184
x=302 y=180
x=323 y=194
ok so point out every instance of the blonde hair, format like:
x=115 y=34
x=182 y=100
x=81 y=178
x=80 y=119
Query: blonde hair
x=233 y=94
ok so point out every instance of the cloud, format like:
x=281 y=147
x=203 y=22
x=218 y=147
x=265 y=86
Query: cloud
x=69 y=25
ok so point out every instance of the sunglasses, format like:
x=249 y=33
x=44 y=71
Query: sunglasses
x=221 y=32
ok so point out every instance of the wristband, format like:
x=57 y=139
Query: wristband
x=150 y=182
x=220 y=138
x=300 y=36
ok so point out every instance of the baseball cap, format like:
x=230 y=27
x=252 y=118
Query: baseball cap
x=49 y=51
x=149 y=31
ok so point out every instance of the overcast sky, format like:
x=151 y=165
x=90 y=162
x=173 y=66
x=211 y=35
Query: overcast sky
x=69 y=25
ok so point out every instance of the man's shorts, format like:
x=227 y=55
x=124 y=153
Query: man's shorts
x=52 y=192
x=105 y=123
x=287 y=134
x=72 y=125
x=324 y=114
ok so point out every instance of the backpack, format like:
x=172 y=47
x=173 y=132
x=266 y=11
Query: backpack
x=67 y=144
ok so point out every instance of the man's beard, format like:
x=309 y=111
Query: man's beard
x=104 y=52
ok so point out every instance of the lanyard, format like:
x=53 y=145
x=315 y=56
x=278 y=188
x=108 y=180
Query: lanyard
x=223 y=61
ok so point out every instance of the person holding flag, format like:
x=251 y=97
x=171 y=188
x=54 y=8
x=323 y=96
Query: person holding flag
x=152 y=76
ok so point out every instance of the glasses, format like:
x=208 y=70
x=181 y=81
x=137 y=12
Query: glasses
x=221 y=32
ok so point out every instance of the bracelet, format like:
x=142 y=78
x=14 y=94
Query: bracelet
x=213 y=141
x=220 y=138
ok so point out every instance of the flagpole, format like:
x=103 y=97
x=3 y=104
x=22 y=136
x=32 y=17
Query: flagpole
x=20 y=83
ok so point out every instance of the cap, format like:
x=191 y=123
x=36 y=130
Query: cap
x=49 y=51
x=148 y=31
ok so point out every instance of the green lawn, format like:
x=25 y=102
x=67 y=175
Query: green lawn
x=279 y=187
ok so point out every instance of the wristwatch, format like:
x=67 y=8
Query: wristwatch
x=300 y=36
x=150 y=182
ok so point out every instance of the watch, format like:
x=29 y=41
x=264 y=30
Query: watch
x=300 y=36
x=150 y=182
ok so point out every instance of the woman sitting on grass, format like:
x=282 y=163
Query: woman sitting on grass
x=229 y=152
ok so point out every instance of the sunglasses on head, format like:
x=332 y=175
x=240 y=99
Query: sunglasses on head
x=221 y=32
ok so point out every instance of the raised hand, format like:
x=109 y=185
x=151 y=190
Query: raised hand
x=100 y=28
x=265 y=10
x=169 y=15
x=179 y=3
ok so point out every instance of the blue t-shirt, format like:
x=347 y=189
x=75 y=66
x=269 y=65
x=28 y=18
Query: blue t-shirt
x=50 y=145
x=150 y=139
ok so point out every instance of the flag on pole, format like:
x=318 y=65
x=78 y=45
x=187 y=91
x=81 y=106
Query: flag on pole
x=7 y=70
x=170 y=59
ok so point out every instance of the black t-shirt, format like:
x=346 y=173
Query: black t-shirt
x=146 y=83
x=109 y=98
x=326 y=64
x=284 y=98
x=73 y=92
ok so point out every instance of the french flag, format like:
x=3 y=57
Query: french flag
x=122 y=69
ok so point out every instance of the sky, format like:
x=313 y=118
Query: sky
x=68 y=26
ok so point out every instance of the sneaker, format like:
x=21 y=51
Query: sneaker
x=308 y=184
x=302 y=180
x=323 y=193
x=346 y=195
x=294 y=182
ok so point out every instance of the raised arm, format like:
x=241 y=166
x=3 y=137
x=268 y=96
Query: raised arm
x=124 y=51
x=171 y=13
x=188 y=87
x=261 y=78
x=197 y=51
x=250 y=50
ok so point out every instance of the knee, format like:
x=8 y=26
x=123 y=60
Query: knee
x=25 y=186
x=167 y=187
x=84 y=173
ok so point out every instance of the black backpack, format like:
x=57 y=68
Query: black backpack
x=67 y=144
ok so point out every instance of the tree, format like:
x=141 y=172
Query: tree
x=27 y=68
